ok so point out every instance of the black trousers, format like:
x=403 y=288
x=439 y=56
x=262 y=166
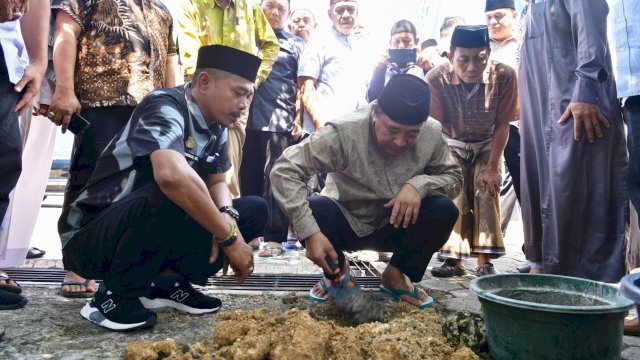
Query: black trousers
x=129 y=243
x=10 y=139
x=105 y=124
x=412 y=247
x=512 y=158
x=261 y=150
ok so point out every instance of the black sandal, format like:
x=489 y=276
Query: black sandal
x=35 y=253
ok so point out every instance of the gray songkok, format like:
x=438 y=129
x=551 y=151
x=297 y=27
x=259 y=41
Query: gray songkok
x=470 y=36
x=406 y=99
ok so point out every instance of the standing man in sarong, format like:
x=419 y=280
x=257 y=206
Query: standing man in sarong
x=573 y=147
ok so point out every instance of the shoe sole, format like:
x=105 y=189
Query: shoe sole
x=163 y=303
x=95 y=316
x=19 y=305
x=439 y=275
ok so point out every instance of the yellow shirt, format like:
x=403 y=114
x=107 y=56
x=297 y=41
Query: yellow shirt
x=239 y=25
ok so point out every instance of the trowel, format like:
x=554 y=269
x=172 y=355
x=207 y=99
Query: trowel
x=348 y=295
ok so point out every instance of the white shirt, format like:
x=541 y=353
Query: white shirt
x=15 y=53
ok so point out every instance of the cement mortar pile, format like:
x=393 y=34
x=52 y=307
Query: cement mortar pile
x=307 y=334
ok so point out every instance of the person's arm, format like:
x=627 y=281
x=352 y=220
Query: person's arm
x=170 y=71
x=442 y=175
x=189 y=32
x=267 y=43
x=589 y=27
x=376 y=84
x=36 y=20
x=322 y=152
x=296 y=132
x=64 y=101
x=434 y=80
x=507 y=111
x=172 y=60
x=239 y=255
x=309 y=96
x=182 y=185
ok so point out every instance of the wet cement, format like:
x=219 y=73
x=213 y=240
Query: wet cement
x=313 y=334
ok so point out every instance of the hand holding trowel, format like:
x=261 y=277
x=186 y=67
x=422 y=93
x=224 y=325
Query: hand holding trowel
x=348 y=295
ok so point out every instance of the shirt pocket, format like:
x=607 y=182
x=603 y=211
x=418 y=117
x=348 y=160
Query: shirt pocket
x=536 y=20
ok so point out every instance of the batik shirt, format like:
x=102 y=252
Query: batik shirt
x=122 y=49
x=166 y=119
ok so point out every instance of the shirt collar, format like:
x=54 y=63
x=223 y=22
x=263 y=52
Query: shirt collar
x=341 y=36
x=194 y=110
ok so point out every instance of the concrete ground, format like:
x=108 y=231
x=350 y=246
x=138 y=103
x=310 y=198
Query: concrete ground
x=50 y=326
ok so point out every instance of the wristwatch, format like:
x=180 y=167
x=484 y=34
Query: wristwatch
x=233 y=235
x=231 y=211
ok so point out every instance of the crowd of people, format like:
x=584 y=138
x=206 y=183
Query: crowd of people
x=275 y=130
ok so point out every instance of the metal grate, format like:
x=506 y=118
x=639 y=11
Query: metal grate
x=256 y=282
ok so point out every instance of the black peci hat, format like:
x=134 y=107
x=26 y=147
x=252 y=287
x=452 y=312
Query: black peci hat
x=406 y=99
x=499 y=4
x=470 y=36
x=228 y=59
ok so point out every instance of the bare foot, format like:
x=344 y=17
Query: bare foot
x=317 y=289
x=631 y=325
x=536 y=271
x=393 y=278
x=73 y=277
x=255 y=243
x=6 y=281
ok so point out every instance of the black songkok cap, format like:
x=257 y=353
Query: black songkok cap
x=470 y=36
x=228 y=59
x=406 y=99
x=499 y=4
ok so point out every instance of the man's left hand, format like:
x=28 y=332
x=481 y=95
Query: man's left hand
x=491 y=178
x=29 y=85
x=406 y=206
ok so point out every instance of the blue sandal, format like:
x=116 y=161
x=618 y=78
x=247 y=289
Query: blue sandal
x=396 y=293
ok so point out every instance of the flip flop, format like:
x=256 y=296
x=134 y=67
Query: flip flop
x=320 y=299
x=74 y=294
x=35 y=253
x=270 y=249
x=396 y=293
x=14 y=289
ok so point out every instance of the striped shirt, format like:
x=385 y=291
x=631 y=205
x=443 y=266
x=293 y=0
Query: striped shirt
x=470 y=115
x=165 y=119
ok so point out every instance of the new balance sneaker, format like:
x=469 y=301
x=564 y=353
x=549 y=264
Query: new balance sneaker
x=181 y=296
x=117 y=313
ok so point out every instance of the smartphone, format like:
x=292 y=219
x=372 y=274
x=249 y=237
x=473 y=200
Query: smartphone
x=78 y=125
x=402 y=56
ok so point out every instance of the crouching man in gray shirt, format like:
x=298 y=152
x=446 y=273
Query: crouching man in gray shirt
x=390 y=181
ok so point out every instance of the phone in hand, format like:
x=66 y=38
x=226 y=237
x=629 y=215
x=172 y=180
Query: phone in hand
x=78 y=125
x=402 y=56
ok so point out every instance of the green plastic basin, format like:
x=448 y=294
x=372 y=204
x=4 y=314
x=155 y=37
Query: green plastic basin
x=531 y=316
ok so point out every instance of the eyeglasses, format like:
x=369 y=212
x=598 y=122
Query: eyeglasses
x=339 y=10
